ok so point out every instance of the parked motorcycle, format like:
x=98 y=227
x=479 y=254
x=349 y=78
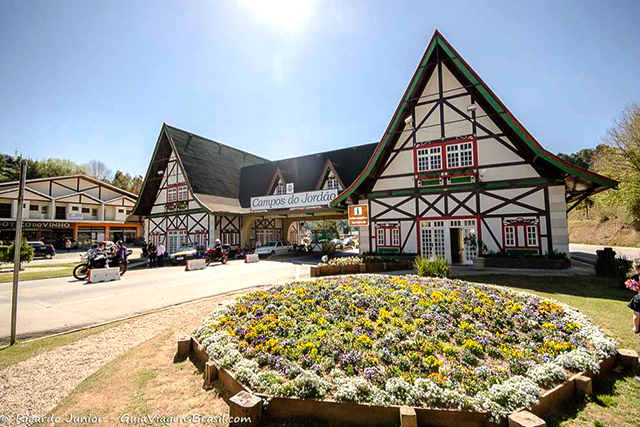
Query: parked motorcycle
x=94 y=258
x=215 y=254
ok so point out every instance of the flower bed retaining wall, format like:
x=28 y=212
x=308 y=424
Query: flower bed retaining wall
x=371 y=267
x=342 y=412
x=534 y=263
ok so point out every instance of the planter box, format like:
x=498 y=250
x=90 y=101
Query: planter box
x=350 y=269
x=374 y=266
x=286 y=408
x=543 y=264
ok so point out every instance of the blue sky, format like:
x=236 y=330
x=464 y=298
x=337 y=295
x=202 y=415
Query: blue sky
x=89 y=79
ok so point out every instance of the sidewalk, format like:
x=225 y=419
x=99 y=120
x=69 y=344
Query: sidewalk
x=587 y=253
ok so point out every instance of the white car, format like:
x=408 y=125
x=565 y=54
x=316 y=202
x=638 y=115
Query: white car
x=274 y=248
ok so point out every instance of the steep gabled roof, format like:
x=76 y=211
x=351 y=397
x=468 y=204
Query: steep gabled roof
x=578 y=181
x=210 y=168
x=304 y=171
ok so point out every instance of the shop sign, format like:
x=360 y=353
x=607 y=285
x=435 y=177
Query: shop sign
x=295 y=200
x=35 y=224
x=358 y=215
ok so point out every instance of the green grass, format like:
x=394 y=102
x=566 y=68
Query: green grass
x=25 y=350
x=36 y=275
x=49 y=265
x=616 y=402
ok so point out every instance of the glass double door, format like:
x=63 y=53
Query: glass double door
x=449 y=238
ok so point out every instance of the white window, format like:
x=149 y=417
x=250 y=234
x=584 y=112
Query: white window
x=510 y=236
x=230 y=238
x=332 y=183
x=460 y=155
x=380 y=236
x=172 y=194
x=176 y=240
x=280 y=189
x=182 y=192
x=532 y=235
x=429 y=159
x=432 y=240
x=395 y=236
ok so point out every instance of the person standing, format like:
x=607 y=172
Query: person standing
x=160 y=252
x=152 y=255
x=67 y=245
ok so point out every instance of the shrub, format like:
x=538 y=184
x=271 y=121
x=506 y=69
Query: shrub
x=432 y=267
x=26 y=252
x=351 y=260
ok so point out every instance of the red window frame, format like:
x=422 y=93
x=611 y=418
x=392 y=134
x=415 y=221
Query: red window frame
x=388 y=242
x=177 y=190
x=518 y=244
x=443 y=153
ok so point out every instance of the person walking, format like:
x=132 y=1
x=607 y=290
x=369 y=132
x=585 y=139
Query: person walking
x=160 y=252
x=152 y=253
x=67 y=245
x=121 y=254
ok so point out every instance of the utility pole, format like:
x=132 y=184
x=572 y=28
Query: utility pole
x=17 y=246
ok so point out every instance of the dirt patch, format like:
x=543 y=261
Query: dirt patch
x=145 y=382
x=34 y=386
x=609 y=233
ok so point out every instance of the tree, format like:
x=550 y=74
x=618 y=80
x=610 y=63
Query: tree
x=620 y=160
x=127 y=183
x=51 y=166
x=26 y=252
x=625 y=135
x=581 y=158
x=99 y=170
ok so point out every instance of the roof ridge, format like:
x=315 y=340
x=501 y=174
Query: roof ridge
x=316 y=154
x=215 y=142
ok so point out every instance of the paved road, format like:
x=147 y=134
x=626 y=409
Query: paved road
x=53 y=305
x=588 y=252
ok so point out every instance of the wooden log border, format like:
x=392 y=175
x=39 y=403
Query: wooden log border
x=354 y=413
x=370 y=267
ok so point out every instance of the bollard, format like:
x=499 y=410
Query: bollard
x=184 y=345
x=525 y=419
x=584 y=386
x=629 y=360
x=245 y=410
x=408 y=417
x=210 y=375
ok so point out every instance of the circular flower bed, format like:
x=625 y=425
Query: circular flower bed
x=402 y=341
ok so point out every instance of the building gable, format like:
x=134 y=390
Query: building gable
x=578 y=181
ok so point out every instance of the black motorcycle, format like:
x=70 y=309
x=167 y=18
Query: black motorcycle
x=94 y=258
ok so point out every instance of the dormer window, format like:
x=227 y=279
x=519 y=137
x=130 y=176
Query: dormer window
x=280 y=188
x=332 y=183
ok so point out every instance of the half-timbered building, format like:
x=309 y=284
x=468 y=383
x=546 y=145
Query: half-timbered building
x=453 y=163
x=75 y=207
x=197 y=190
